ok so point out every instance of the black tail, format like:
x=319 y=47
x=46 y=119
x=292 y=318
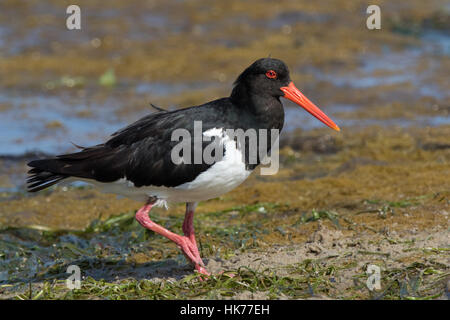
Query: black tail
x=101 y=163
x=43 y=174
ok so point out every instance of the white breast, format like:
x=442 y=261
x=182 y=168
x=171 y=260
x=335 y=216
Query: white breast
x=221 y=177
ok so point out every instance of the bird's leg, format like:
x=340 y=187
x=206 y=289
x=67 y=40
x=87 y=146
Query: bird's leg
x=188 y=248
x=188 y=230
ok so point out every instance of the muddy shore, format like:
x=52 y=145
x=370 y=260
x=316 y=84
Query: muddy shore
x=377 y=193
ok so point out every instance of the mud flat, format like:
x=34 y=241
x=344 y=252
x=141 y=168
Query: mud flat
x=339 y=203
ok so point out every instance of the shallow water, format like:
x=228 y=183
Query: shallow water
x=46 y=121
x=47 y=124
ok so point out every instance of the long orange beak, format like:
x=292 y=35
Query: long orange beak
x=292 y=93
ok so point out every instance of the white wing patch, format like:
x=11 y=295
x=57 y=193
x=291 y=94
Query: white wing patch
x=214 y=132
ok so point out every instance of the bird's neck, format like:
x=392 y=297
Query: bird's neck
x=265 y=108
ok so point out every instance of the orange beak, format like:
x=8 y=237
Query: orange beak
x=292 y=93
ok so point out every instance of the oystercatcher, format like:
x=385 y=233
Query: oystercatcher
x=138 y=162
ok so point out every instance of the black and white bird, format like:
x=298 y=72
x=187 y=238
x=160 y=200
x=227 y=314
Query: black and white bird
x=138 y=162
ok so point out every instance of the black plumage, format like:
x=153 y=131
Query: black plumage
x=141 y=152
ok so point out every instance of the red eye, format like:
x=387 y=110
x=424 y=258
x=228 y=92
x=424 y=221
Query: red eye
x=271 y=74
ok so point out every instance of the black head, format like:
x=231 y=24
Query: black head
x=265 y=77
x=265 y=81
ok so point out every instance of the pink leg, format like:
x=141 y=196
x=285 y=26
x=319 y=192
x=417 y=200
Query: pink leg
x=188 y=230
x=186 y=243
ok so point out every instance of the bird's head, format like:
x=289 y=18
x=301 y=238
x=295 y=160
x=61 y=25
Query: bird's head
x=270 y=77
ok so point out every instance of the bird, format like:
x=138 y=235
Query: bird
x=138 y=161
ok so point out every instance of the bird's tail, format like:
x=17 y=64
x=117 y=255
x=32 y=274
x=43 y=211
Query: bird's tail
x=44 y=173
x=101 y=163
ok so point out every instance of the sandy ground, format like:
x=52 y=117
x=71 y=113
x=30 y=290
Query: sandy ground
x=329 y=246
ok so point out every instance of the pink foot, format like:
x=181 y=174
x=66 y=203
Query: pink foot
x=186 y=243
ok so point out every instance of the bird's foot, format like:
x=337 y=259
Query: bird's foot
x=205 y=273
x=231 y=275
x=190 y=251
x=186 y=243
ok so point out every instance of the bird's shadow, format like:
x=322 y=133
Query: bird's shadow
x=31 y=257
x=106 y=270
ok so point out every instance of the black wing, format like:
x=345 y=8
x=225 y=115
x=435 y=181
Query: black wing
x=141 y=152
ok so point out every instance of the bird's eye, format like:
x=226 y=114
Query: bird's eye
x=271 y=74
